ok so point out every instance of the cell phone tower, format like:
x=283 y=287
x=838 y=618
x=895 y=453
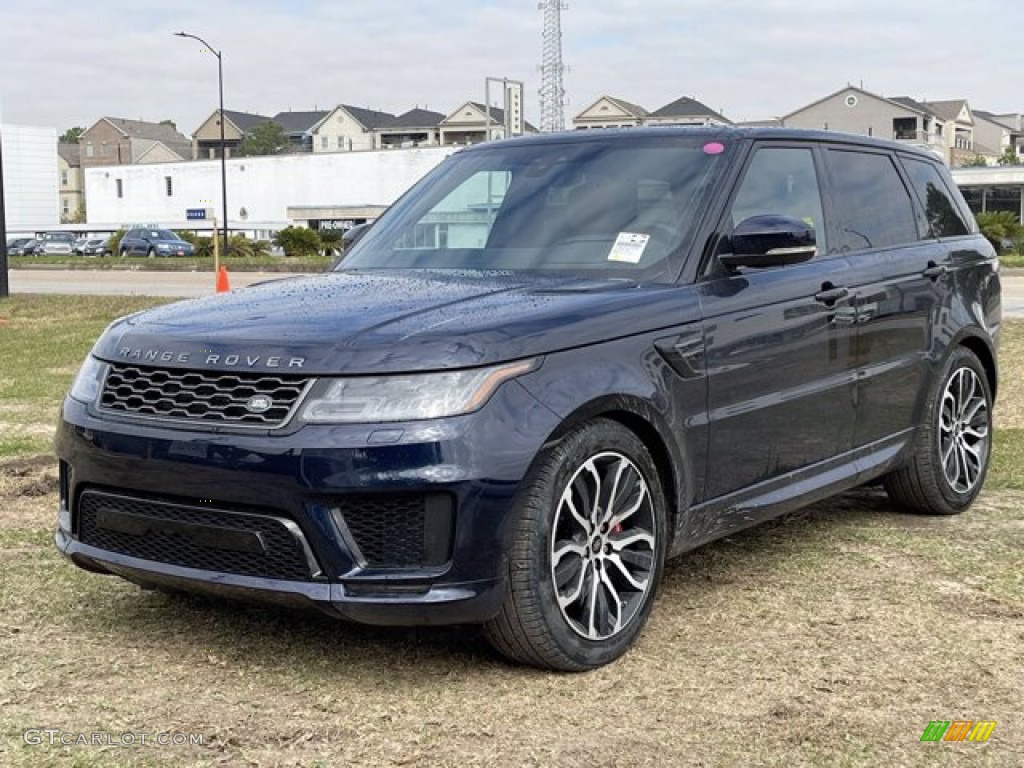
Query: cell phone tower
x=552 y=92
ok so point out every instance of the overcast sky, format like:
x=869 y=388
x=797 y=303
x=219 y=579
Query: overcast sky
x=69 y=63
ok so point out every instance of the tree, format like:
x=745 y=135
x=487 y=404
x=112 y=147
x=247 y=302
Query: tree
x=265 y=139
x=330 y=239
x=1009 y=157
x=976 y=162
x=71 y=135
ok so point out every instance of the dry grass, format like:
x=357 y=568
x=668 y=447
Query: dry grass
x=828 y=638
x=831 y=637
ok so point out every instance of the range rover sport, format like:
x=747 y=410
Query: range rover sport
x=554 y=363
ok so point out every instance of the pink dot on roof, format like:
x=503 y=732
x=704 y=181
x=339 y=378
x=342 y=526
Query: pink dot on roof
x=714 y=148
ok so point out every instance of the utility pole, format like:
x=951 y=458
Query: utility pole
x=4 y=288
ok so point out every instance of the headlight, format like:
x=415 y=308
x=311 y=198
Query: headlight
x=410 y=397
x=86 y=386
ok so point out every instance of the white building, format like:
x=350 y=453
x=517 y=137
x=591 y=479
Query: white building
x=31 y=195
x=264 y=193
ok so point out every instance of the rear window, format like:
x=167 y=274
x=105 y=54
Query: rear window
x=873 y=205
x=944 y=218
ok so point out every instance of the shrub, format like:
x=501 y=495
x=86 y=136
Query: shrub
x=1000 y=228
x=298 y=241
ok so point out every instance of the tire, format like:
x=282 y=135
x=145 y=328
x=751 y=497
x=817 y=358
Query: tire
x=555 y=553
x=953 y=447
x=124 y=252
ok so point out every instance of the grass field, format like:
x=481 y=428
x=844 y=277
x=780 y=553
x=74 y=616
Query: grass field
x=830 y=637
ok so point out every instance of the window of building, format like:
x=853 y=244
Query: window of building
x=341 y=142
x=904 y=128
x=120 y=187
x=324 y=142
x=90 y=150
x=944 y=219
x=873 y=203
x=65 y=206
x=1004 y=199
x=169 y=186
x=63 y=178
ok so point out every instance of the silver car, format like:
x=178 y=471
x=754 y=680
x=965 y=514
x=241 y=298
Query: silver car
x=58 y=242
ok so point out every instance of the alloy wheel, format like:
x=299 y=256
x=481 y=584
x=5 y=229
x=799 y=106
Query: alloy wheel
x=603 y=546
x=964 y=420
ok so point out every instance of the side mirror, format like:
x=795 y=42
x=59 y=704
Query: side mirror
x=351 y=235
x=770 y=241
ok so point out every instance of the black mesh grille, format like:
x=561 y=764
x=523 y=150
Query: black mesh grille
x=396 y=531
x=210 y=539
x=241 y=399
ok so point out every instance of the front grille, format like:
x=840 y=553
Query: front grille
x=237 y=399
x=195 y=537
x=400 y=531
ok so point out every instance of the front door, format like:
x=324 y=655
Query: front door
x=779 y=341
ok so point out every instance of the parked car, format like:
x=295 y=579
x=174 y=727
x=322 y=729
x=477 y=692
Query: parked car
x=78 y=245
x=553 y=364
x=24 y=246
x=96 y=246
x=58 y=243
x=154 y=242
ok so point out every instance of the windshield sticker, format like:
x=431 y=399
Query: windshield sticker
x=629 y=247
x=714 y=148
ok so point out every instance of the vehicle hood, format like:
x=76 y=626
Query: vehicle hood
x=386 y=322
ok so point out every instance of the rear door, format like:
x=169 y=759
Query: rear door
x=779 y=341
x=899 y=277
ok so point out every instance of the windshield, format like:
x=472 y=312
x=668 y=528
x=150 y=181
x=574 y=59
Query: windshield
x=608 y=207
x=163 y=234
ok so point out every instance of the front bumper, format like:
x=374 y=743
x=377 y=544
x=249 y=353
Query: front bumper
x=305 y=480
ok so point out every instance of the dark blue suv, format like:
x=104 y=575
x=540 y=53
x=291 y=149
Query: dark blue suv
x=554 y=363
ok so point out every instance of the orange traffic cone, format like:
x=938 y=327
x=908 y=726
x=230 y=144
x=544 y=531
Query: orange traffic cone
x=222 y=280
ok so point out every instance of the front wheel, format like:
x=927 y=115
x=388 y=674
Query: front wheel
x=124 y=252
x=587 y=552
x=953 y=446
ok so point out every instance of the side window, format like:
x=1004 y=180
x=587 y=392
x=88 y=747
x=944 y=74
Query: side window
x=782 y=181
x=870 y=200
x=944 y=219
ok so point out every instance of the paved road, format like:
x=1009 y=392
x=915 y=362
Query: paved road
x=127 y=283
x=201 y=283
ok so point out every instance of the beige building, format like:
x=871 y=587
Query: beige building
x=116 y=141
x=206 y=138
x=945 y=127
x=347 y=129
x=71 y=186
x=994 y=134
x=611 y=112
x=469 y=124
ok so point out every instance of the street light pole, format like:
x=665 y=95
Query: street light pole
x=223 y=148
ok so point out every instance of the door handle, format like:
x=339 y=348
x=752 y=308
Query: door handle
x=830 y=294
x=935 y=271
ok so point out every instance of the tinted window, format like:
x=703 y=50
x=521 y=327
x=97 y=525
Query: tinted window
x=781 y=181
x=944 y=219
x=873 y=206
